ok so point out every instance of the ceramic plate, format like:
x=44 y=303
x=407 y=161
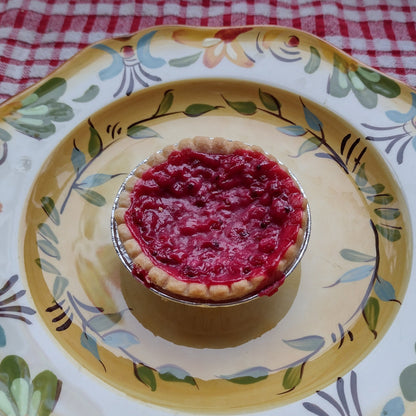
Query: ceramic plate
x=79 y=335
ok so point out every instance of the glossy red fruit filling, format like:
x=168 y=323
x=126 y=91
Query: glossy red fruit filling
x=215 y=218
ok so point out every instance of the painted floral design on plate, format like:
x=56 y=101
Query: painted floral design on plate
x=105 y=325
x=95 y=302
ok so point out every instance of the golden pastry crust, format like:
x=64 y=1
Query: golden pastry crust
x=165 y=282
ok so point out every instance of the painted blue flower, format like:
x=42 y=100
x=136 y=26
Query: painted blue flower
x=402 y=133
x=130 y=62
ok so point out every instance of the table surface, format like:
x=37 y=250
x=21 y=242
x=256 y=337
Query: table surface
x=37 y=36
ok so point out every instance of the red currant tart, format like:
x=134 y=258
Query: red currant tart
x=211 y=220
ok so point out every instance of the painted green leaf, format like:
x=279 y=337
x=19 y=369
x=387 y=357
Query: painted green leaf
x=59 y=112
x=269 y=101
x=313 y=121
x=384 y=290
x=292 y=130
x=314 y=61
x=387 y=213
x=48 y=205
x=146 y=375
x=33 y=123
x=408 y=383
x=59 y=286
x=391 y=234
x=89 y=343
x=381 y=199
x=172 y=373
x=356 y=256
x=394 y=407
x=371 y=313
x=308 y=343
x=13 y=367
x=95 y=144
x=20 y=394
x=356 y=274
x=48 y=387
x=78 y=159
x=38 y=111
x=293 y=377
x=165 y=104
x=103 y=322
x=339 y=84
x=49 y=248
x=368 y=74
x=361 y=177
x=51 y=90
x=92 y=197
x=47 y=267
x=246 y=108
x=5 y=136
x=46 y=231
x=184 y=61
x=366 y=97
x=6 y=407
x=374 y=189
x=2 y=337
x=195 y=110
x=141 y=132
x=120 y=339
x=249 y=376
x=94 y=180
x=88 y=95
x=356 y=82
x=36 y=128
x=309 y=145
x=30 y=99
x=378 y=83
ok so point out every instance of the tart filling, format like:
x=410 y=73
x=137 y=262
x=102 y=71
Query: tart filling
x=211 y=220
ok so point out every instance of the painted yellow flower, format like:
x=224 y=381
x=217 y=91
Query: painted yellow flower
x=217 y=44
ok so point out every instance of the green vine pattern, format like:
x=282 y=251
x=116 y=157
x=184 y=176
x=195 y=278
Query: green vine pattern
x=349 y=157
x=97 y=324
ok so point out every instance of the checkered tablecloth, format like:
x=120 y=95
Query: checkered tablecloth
x=37 y=36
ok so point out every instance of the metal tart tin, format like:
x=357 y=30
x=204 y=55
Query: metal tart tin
x=128 y=262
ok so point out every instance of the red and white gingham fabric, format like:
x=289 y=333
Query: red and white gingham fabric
x=37 y=36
